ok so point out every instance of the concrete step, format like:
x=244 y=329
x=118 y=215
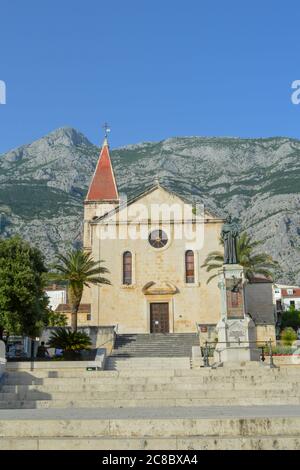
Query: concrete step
x=228 y=427
x=151 y=388
x=133 y=402
x=169 y=382
x=146 y=394
x=151 y=427
x=152 y=384
x=277 y=442
x=24 y=369
x=163 y=345
x=117 y=363
x=216 y=377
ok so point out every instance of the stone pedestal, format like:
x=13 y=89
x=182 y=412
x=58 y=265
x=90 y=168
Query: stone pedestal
x=235 y=330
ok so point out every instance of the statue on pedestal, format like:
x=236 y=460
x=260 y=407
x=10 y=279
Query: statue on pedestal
x=229 y=234
x=236 y=330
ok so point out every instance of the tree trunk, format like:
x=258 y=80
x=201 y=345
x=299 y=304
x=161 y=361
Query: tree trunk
x=74 y=315
x=75 y=295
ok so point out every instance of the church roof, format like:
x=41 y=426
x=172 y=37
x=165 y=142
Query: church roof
x=103 y=186
x=67 y=308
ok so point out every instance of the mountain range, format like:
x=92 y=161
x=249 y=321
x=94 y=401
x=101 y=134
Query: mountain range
x=43 y=185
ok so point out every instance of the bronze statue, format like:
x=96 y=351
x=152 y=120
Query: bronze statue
x=229 y=234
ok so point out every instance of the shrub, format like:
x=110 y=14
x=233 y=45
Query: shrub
x=57 y=319
x=72 y=342
x=291 y=318
x=288 y=336
x=278 y=349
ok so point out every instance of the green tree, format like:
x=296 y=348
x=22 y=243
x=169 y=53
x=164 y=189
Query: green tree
x=290 y=318
x=23 y=302
x=56 y=319
x=252 y=262
x=78 y=269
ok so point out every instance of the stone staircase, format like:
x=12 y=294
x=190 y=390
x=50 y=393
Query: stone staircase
x=135 y=408
x=155 y=431
x=166 y=351
x=158 y=387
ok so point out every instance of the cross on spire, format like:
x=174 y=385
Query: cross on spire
x=106 y=128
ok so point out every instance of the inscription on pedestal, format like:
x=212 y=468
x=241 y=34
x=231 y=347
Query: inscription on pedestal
x=234 y=298
x=236 y=332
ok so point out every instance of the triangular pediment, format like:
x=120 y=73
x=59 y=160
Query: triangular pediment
x=156 y=202
x=159 y=288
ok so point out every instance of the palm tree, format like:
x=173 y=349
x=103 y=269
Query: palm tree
x=78 y=269
x=253 y=263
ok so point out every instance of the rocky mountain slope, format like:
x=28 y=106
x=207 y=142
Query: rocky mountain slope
x=42 y=186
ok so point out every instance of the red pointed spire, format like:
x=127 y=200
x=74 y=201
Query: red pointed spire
x=103 y=186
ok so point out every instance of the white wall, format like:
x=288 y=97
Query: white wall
x=286 y=303
x=56 y=297
x=2 y=358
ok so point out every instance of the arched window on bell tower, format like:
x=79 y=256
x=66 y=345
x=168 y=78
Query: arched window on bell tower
x=189 y=267
x=127 y=268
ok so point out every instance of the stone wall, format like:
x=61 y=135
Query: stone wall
x=129 y=306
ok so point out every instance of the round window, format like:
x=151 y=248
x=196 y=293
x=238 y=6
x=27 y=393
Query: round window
x=158 y=239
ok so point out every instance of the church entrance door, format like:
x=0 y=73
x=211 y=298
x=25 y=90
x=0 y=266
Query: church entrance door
x=159 y=317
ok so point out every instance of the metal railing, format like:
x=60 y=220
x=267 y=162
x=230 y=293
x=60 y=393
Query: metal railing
x=207 y=348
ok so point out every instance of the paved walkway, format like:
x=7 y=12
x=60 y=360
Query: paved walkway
x=275 y=411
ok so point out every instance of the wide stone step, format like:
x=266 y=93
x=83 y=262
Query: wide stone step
x=24 y=369
x=146 y=394
x=213 y=377
x=277 y=442
x=164 y=427
x=200 y=374
x=135 y=388
x=127 y=376
x=163 y=345
x=147 y=402
x=146 y=363
x=154 y=383
x=117 y=363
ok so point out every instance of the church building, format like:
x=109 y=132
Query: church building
x=154 y=246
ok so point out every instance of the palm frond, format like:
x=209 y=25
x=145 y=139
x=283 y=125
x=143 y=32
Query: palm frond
x=210 y=278
x=253 y=263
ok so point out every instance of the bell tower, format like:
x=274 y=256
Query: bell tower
x=102 y=195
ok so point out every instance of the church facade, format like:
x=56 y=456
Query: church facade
x=154 y=247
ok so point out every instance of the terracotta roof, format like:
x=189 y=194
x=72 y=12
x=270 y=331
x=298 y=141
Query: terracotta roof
x=103 y=186
x=296 y=292
x=66 y=308
x=55 y=287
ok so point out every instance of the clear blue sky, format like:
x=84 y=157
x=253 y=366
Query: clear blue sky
x=151 y=68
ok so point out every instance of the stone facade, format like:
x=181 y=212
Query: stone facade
x=158 y=275
x=159 y=291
